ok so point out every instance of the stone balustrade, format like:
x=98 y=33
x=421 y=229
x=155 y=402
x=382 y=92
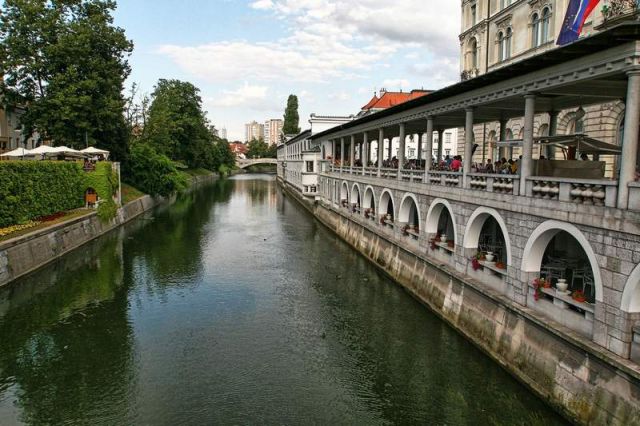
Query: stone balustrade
x=580 y=191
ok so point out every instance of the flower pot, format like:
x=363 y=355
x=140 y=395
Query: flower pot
x=562 y=285
x=388 y=217
x=489 y=257
x=443 y=238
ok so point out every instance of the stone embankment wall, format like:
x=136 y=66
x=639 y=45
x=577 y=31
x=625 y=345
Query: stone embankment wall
x=25 y=254
x=581 y=380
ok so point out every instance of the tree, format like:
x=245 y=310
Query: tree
x=176 y=126
x=291 y=117
x=257 y=148
x=66 y=62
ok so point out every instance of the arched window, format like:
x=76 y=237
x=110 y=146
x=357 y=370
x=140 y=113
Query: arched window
x=575 y=126
x=544 y=30
x=501 y=41
x=507 y=43
x=535 y=30
x=473 y=54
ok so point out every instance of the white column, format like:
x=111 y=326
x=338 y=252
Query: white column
x=402 y=138
x=368 y=149
x=341 y=154
x=390 y=149
x=468 y=145
x=525 y=166
x=429 y=147
x=440 y=144
x=380 y=149
x=630 y=140
x=352 y=152
x=365 y=147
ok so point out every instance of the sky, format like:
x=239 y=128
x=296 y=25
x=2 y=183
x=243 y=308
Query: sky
x=247 y=56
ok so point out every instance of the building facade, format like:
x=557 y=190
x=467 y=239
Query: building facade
x=499 y=33
x=253 y=130
x=11 y=136
x=273 y=130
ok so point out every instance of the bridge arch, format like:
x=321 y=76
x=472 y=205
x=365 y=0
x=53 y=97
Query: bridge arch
x=243 y=164
x=631 y=294
x=387 y=205
x=344 y=192
x=540 y=239
x=487 y=222
x=355 y=195
x=409 y=212
x=369 y=201
x=441 y=220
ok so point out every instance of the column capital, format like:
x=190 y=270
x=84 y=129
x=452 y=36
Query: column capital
x=470 y=109
x=530 y=95
x=634 y=71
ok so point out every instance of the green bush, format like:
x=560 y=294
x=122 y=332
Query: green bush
x=105 y=182
x=151 y=172
x=31 y=189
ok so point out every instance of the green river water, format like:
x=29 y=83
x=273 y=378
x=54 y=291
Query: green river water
x=234 y=306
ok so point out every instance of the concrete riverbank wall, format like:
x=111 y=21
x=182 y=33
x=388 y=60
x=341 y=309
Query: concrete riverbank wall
x=28 y=253
x=583 y=381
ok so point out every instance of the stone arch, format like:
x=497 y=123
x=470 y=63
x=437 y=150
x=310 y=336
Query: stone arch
x=355 y=195
x=540 y=239
x=474 y=228
x=404 y=214
x=564 y=121
x=631 y=293
x=387 y=205
x=344 y=191
x=369 y=200
x=433 y=217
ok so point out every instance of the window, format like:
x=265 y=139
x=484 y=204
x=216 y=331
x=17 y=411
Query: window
x=546 y=19
x=535 y=30
x=507 y=44
x=447 y=152
x=473 y=54
x=505 y=3
x=447 y=138
x=474 y=15
x=412 y=152
x=309 y=166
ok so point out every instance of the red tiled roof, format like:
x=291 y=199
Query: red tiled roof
x=391 y=99
x=371 y=103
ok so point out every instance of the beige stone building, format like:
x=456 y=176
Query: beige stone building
x=497 y=33
x=253 y=130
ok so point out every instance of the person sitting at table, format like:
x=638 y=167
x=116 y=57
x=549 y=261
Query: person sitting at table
x=489 y=167
x=456 y=164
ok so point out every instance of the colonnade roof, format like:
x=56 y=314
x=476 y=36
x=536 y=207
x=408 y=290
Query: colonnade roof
x=556 y=76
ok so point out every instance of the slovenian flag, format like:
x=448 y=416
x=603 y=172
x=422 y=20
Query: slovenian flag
x=577 y=13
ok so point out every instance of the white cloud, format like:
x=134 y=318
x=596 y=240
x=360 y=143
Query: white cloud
x=246 y=95
x=341 y=96
x=396 y=84
x=262 y=4
x=327 y=39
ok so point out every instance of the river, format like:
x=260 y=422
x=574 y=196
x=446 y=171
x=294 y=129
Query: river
x=234 y=306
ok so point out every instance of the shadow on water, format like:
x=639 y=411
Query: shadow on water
x=234 y=306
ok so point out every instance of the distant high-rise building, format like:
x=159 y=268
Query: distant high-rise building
x=223 y=133
x=272 y=130
x=253 y=130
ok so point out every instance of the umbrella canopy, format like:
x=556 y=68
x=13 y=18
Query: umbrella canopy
x=92 y=150
x=66 y=151
x=42 y=149
x=20 y=152
x=582 y=143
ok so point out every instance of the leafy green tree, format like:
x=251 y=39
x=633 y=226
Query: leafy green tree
x=256 y=148
x=66 y=62
x=291 y=117
x=151 y=172
x=176 y=125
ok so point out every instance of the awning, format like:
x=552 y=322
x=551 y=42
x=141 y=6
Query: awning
x=20 y=152
x=582 y=143
x=95 y=151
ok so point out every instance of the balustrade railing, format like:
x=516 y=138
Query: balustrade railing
x=502 y=184
x=580 y=191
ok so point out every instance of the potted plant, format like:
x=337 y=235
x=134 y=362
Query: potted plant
x=490 y=257
x=451 y=243
x=475 y=263
x=382 y=221
x=579 y=296
x=432 y=244
x=388 y=216
x=562 y=285
x=501 y=265
x=405 y=230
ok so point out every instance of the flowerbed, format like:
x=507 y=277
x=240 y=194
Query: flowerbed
x=16 y=228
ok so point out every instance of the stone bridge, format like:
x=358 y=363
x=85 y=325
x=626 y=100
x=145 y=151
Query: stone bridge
x=243 y=164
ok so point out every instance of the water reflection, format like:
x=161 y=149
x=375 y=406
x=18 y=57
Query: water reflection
x=234 y=306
